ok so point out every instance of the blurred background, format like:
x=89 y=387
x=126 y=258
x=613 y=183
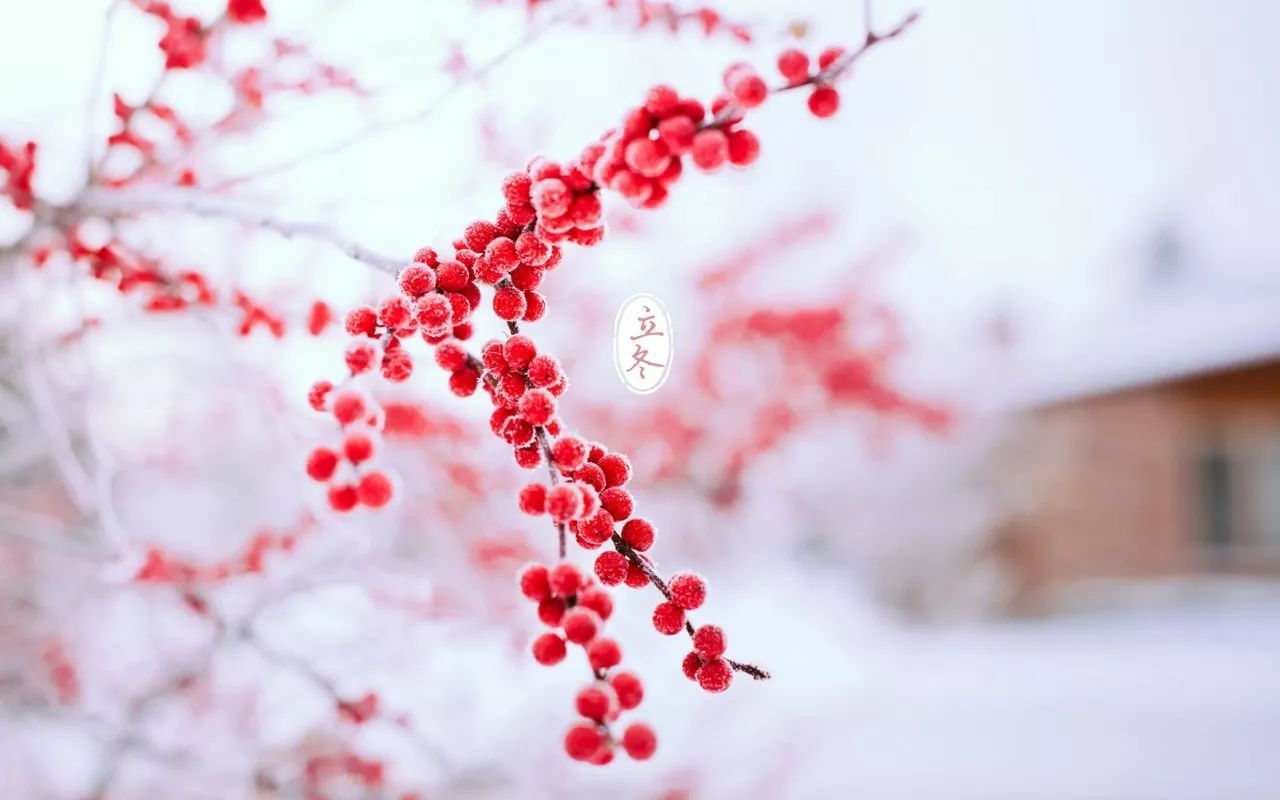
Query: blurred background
x=973 y=421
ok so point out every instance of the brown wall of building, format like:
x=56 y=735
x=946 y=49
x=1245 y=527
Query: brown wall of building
x=1116 y=484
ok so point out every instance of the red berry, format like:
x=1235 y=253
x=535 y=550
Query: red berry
x=636 y=577
x=616 y=468
x=533 y=499
x=358 y=447
x=452 y=276
x=595 y=529
x=550 y=197
x=416 y=280
x=509 y=303
x=628 y=689
x=594 y=702
x=318 y=394
x=434 y=313
x=661 y=100
x=515 y=188
x=749 y=90
x=375 y=489
x=362 y=321
x=744 y=147
x=688 y=590
x=529 y=456
x=829 y=56
x=526 y=279
x=451 y=355
x=531 y=250
x=360 y=356
x=537 y=406
x=569 y=452
x=348 y=407
x=479 y=234
x=565 y=579
x=548 y=649
x=824 y=101
x=394 y=312
x=544 y=371
x=397 y=366
x=580 y=625
x=604 y=653
x=501 y=253
x=639 y=741
x=611 y=568
x=535 y=306
x=794 y=65
x=463 y=382
x=551 y=611
x=677 y=134
x=690 y=665
x=710 y=149
x=617 y=501
x=426 y=255
x=321 y=464
x=638 y=533
x=668 y=618
x=598 y=600
x=582 y=741
x=708 y=640
x=715 y=675
x=343 y=498
x=535 y=582
x=564 y=502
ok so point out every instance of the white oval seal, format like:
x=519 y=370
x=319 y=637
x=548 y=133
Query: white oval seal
x=642 y=343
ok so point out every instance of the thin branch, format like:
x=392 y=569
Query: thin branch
x=423 y=113
x=95 y=90
x=203 y=204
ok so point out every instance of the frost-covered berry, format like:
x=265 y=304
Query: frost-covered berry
x=535 y=582
x=565 y=579
x=321 y=463
x=708 y=640
x=360 y=356
x=416 y=280
x=591 y=475
x=375 y=489
x=362 y=321
x=452 y=276
x=590 y=500
x=611 y=568
x=564 y=502
x=628 y=689
x=426 y=255
x=515 y=188
x=397 y=365
x=688 y=590
x=434 y=312
x=604 y=653
x=636 y=576
x=616 y=468
x=710 y=149
x=509 y=303
x=617 y=501
x=793 y=65
x=714 y=675
x=595 y=529
x=529 y=456
x=598 y=600
x=551 y=611
x=348 y=407
x=639 y=741
x=537 y=406
x=582 y=741
x=343 y=498
x=463 y=382
x=518 y=351
x=692 y=661
x=594 y=702
x=638 y=533
x=318 y=394
x=533 y=499
x=451 y=355
x=479 y=234
x=569 y=452
x=548 y=649
x=580 y=625
x=394 y=312
x=358 y=448
x=550 y=197
x=668 y=618
x=824 y=101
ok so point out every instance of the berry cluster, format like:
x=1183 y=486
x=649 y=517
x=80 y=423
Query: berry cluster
x=18 y=163
x=345 y=471
x=547 y=204
x=576 y=609
x=794 y=66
